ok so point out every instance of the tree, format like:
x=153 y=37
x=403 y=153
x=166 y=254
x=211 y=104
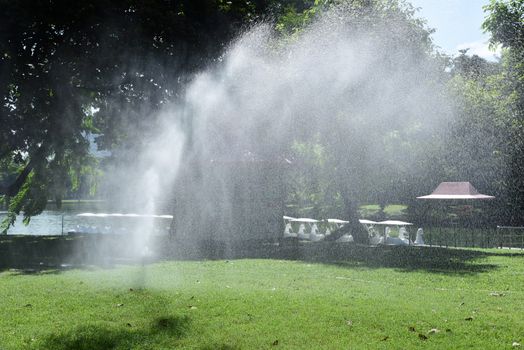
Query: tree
x=379 y=129
x=69 y=73
x=476 y=150
x=377 y=133
x=505 y=23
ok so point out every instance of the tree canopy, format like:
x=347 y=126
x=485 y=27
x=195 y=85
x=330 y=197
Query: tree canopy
x=70 y=73
x=505 y=23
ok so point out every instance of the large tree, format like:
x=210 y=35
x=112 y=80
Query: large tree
x=70 y=73
x=505 y=23
x=384 y=127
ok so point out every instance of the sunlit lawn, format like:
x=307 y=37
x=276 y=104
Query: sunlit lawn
x=266 y=304
x=392 y=210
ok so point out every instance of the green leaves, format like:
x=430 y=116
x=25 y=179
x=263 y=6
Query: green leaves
x=505 y=22
x=31 y=198
x=71 y=74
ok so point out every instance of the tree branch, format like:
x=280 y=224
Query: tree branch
x=13 y=189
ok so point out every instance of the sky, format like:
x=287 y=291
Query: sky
x=457 y=24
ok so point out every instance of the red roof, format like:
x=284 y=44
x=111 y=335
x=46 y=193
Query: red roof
x=456 y=190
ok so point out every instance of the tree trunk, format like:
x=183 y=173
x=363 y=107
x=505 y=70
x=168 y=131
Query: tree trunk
x=354 y=227
x=13 y=189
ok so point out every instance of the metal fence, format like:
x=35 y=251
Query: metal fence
x=496 y=237
x=511 y=236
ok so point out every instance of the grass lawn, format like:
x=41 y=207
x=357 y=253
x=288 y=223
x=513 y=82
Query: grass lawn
x=267 y=304
x=392 y=210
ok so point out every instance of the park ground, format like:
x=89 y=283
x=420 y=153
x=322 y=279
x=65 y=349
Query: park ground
x=449 y=299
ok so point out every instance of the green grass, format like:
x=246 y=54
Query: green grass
x=391 y=211
x=267 y=304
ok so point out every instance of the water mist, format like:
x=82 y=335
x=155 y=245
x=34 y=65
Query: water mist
x=349 y=84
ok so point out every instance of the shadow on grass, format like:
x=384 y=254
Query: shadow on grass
x=54 y=254
x=33 y=269
x=172 y=325
x=36 y=255
x=516 y=253
x=98 y=337
x=219 y=347
x=408 y=258
x=429 y=259
x=29 y=268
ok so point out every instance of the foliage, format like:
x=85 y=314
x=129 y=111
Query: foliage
x=484 y=141
x=374 y=143
x=73 y=74
x=477 y=148
x=505 y=23
x=311 y=184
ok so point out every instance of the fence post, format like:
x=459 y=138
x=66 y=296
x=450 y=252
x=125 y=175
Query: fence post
x=455 y=234
x=447 y=236
x=512 y=236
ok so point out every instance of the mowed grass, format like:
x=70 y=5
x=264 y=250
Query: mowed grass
x=392 y=210
x=266 y=304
